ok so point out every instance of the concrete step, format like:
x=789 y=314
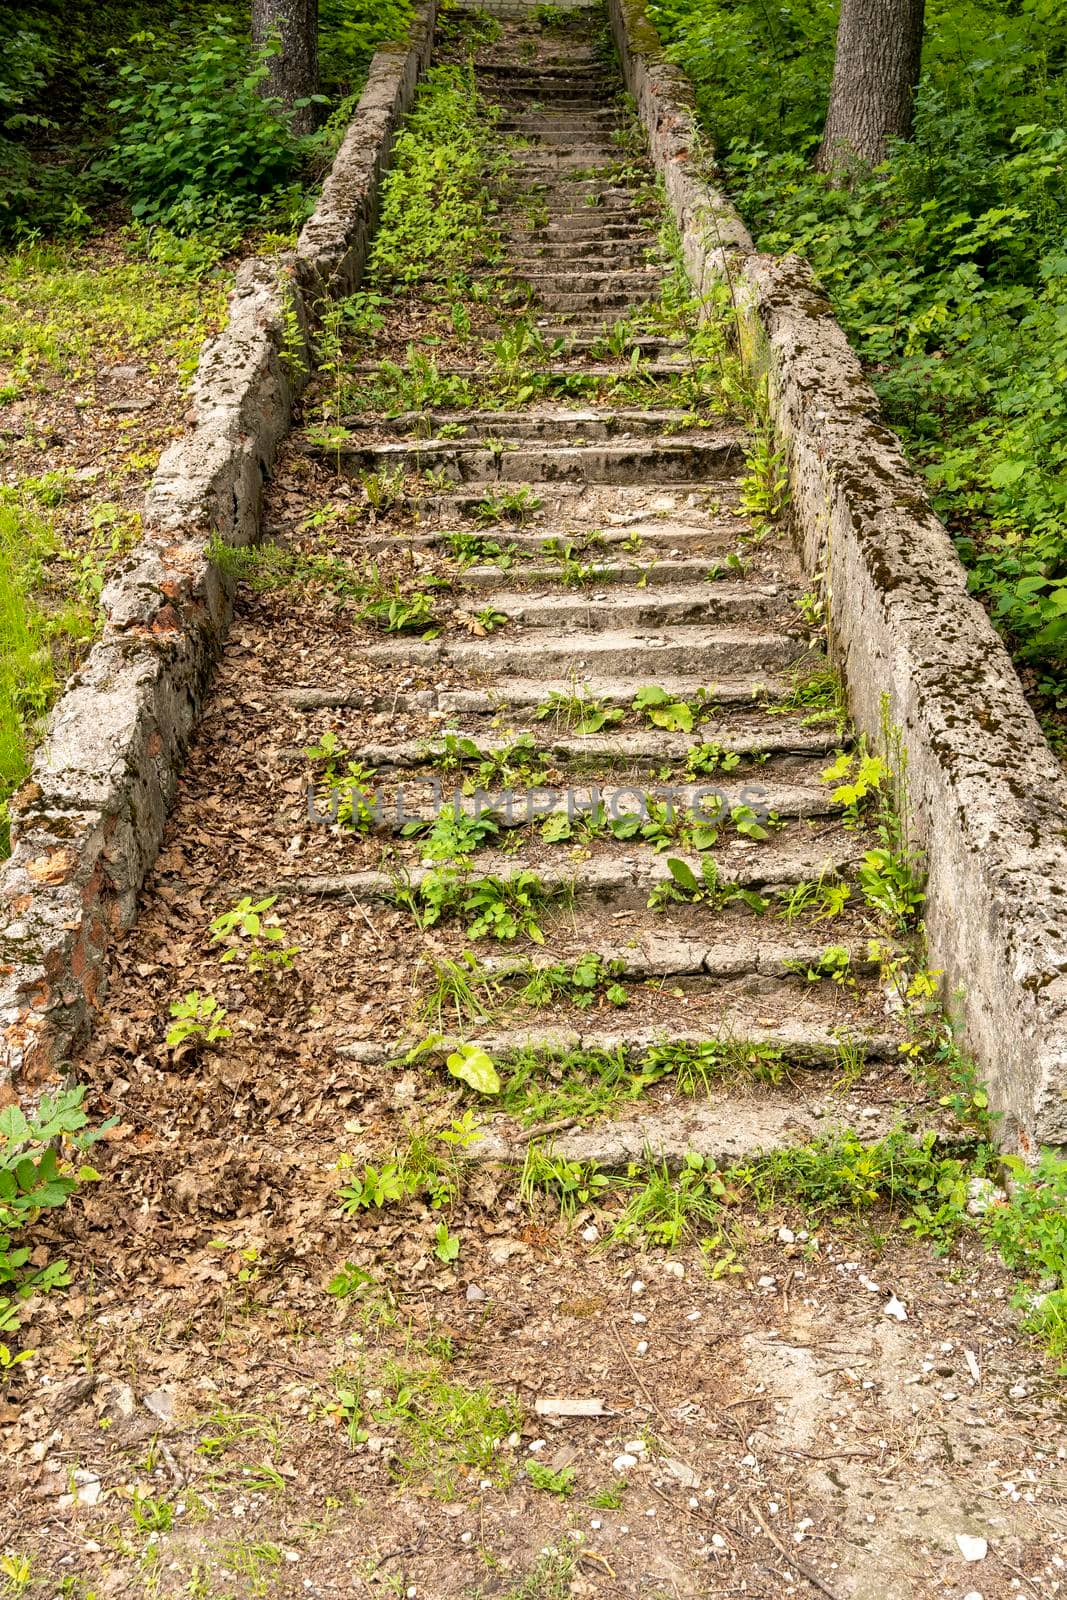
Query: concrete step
x=729 y=603
x=707 y=652
x=468 y=461
x=561 y=422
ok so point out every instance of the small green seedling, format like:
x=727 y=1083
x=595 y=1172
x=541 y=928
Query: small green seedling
x=249 y=932
x=199 y=1019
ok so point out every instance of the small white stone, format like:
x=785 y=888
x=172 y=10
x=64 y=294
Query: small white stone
x=474 y=1293
x=972 y=1546
x=896 y=1309
x=639 y=1317
x=591 y=1234
x=674 y=1269
x=595 y=1523
x=767 y=1281
x=623 y=1463
x=537 y=1444
x=635 y=1447
x=642 y=1347
x=637 y=1287
x=786 y=1236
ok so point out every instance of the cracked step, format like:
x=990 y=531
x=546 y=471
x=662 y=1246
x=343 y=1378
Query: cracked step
x=662 y=461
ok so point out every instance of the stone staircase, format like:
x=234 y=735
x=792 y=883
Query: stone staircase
x=631 y=563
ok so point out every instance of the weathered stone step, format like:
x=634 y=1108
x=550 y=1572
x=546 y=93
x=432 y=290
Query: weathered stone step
x=561 y=422
x=702 y=651
x=518 y=695
x=617 y=880
x=722 y=1130
x=601 y=575
x=729 y=602
x=656 y=953
x=664 y=461
x=801 y=1044
x=628 y=282
x=622 y=797
x=620 y=252
x=637 y=747
x=585 y=225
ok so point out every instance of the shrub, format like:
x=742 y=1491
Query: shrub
x=195 y=140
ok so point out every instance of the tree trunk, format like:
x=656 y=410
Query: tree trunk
x=294 y=70
x=876 y=68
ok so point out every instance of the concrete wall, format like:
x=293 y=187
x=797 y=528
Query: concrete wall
x=87 y=824
x=987 y=799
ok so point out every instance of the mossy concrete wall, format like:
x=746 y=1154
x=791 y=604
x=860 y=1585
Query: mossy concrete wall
x=87 y=824
x=987 y=799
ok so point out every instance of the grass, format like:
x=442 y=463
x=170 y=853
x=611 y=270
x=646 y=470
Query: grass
x=73 y=307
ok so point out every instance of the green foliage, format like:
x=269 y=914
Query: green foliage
x=195 y=139
x=946 y=265
x=841 y=1174
x=1029 y=1230
x=498 y=908
x=27 y=678
x=199 y=1019
x=253 y=933
x=36 y=1174
x=437 y=200
x=542 y=1477
x=578 y=982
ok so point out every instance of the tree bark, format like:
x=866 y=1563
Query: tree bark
x=294 y=70
x=876 y=68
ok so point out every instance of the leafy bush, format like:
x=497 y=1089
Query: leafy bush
x=350 y=31
x=194 y=137
x=947 y=265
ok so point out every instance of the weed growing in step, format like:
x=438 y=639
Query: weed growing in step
x=473 y=549
x=820 y=901
x=580 y=982
x=560 y=1483
x=490 y=907
x=818 y=696
x=833 y=965
x=403 y=609
x=424 y=1170
x=269 y=567
x=344 y=796
x=467 y=1062
x=685 y=888
x=38 y=1173
x=702 y=760
x=764 y=481
x=447 y=1430
x=842 y=1175
x=578 y=711
x=453 y=836
x=252 y=933
x=517 y=506
x=571 y=1184
x=665 y=1209
x=656 y=706
x=698 y=1068
x=459 y=991
x=859 y=778
x=517 y=763
x=198 y=1020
